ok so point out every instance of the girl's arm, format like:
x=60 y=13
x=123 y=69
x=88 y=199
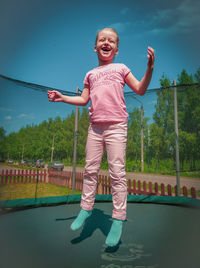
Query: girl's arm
x=140 y=87
x=75 y=100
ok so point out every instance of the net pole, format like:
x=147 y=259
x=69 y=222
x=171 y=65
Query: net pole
x=23 y=151
x=52 y=148
x=142 y=129
x=142 y=146
x=176 y=138
x=75 y=147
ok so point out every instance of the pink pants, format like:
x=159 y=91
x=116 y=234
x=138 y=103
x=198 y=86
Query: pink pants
x=111 y=137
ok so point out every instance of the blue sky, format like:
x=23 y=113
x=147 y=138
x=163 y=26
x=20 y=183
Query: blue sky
x=52 y=43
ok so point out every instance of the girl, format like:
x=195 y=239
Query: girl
x=103 y=86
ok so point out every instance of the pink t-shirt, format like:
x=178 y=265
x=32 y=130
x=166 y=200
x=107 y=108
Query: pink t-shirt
x=106 y=85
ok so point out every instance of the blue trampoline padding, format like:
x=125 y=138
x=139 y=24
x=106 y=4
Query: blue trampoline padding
x=67 y=199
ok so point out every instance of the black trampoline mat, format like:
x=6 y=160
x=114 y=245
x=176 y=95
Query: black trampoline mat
x=154 y=235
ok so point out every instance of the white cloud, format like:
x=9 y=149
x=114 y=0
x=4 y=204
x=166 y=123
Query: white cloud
x=182 y=19
x=22 y=115
x=5 y=109
x=8 y=117
x=28 y=116
x=125 y=10
x=190 y=14
x=153 y=102
x=162 y=15
x=119 y=26
x=189 y=7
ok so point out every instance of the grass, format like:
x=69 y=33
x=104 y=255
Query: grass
x=19 y=191
x=188 y=174
x=20 y=166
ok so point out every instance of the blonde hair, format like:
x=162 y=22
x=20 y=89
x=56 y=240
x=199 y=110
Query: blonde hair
x=110 y=29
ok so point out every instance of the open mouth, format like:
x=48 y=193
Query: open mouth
x=106 y=49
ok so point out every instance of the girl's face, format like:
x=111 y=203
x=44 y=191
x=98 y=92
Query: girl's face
x=106 y=46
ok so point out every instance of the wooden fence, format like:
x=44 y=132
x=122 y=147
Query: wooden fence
x=20 y=176
x=143 y=188
x=64 y=178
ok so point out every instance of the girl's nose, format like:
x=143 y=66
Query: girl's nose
x=106 y=43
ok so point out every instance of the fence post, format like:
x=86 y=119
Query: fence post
x=46 y=176
x=129 y=186
x=2 y=177
x=162 y=189
x=134 y=187
x=14 y=176
x=11 y=174
x=144 y=187
x=18 y=176
x=75 y=145
x=193 y=193
x=169 y=190
x=139 y=187
x=156 y=188
x=6 y=177
x=150 y=188
x=185 y=193
x=99 y=185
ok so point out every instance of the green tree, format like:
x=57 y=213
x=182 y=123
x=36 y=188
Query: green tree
x=162 y=132
x=2 y=144
x=134 y=138
x=2 y=133
x=189 y=118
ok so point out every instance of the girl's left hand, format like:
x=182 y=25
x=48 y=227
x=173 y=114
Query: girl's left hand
x=151 y=58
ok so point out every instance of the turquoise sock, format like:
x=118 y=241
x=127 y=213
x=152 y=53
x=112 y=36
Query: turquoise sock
x=115 y=233
x=80 y=219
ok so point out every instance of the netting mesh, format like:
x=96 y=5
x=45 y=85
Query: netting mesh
x=158 y=127
x=31 y=128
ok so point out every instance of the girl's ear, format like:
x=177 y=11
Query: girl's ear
x=117 y=51
x=95 y=49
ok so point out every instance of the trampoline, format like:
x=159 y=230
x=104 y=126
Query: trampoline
x=159 y=232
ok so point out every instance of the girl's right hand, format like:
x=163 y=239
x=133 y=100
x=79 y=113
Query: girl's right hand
x=55 y=96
